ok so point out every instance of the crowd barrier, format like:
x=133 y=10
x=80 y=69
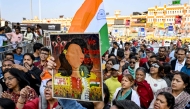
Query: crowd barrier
x=26 y=47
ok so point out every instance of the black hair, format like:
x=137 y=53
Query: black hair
x=169 y=98
x=31 y=56
x=19 y=48
x=11 y=54
x=125 y=104
x=141 y=69
x=106 y=93
x=18 y=23
x=113 y=62
x=163 y=48
x=120 y=53
x=186 y=80
x=6 y=103
x=133 y=57
x=154 y=56
x=65 y=68
x=151 y=53
x=167 y=70
x=182 y=49
x=49 y=81
x=127 y=43
x=7 y=60
x=110 y=55
x=28 y=28
x=2 y=28
x=37 y=46
x=6 y=22
x=115 y=43
x=45 y=49
x=144 y=46
x=19 y=75
x=38 y=26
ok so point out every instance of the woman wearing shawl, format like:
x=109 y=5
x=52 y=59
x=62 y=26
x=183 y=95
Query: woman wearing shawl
x=131 y=67
x=143 y=88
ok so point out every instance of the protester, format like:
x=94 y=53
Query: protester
x=179 y=89
x=9 y=56
x=108 y=69
x=33 y=72
x=113 y=82
x=164 y=100
x=15 y=81
x=167 y=73
x=143 y=88
x=2 y=39
x=105 y=58
x=178 y=63
x=114 y=49
x=37 y=49
x=131 y=68
x=155 y=77
x=44 y=54
x=28 y=35
x=7 y=28
x=161 y=55
x=35 y=103
x=186 y=69
x=39 y=31
x=125 y=92
x=15 y=37
x=18 y=57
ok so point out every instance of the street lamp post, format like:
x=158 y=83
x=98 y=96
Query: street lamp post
x=31 y=9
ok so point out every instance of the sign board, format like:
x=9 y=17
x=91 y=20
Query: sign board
x=78 y=62
x=178 y=19
x=127 y=23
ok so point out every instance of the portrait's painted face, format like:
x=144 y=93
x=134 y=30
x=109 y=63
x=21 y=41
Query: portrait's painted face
x=74 y=56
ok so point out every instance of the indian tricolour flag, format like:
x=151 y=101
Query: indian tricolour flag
x=91 y=17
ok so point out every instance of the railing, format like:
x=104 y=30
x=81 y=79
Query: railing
x=26 y=47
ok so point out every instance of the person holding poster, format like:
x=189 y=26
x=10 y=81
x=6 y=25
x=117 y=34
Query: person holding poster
x=78 y=74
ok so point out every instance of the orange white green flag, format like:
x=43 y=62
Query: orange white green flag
x=91 y=17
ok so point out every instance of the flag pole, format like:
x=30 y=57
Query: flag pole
x=31 y=9
x=39 y=9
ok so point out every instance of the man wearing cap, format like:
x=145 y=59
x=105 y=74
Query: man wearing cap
x=113 y=82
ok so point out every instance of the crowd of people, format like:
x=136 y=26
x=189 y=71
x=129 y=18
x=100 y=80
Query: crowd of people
x=133 y=79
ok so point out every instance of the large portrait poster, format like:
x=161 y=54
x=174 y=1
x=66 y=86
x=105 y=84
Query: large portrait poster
x=78 y=60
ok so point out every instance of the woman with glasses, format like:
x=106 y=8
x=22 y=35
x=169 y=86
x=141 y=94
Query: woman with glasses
x=36 y=103
x=15 y=81
x=180 y=89
x=155 y=77
x=143 y=88
x=131 y=67
x=107 y=70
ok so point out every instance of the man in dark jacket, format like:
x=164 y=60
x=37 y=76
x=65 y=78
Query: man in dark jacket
x=33 y=72
x=7 y=28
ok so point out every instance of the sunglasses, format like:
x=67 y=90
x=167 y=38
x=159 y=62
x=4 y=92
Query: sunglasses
x=132 y=62
x=155 y=65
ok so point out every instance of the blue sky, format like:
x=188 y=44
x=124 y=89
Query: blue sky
x=15 y=10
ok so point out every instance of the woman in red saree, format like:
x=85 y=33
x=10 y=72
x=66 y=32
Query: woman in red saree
x=143 y=88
